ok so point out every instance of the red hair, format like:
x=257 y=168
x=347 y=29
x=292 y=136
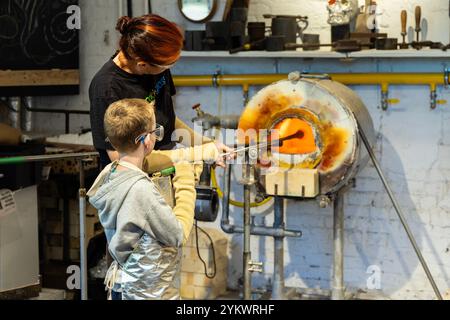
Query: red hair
x=151 y=38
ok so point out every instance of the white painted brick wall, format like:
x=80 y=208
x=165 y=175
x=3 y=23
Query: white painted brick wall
x=413 y=146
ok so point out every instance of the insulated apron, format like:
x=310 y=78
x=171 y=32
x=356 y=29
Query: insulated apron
x=152 y=271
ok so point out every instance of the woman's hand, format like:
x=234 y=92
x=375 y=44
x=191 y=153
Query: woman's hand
x=223 y=149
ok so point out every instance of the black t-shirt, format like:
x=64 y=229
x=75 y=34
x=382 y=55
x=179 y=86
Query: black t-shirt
x=111 y=84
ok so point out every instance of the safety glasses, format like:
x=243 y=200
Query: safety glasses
x=159 y=134
x=163 y=67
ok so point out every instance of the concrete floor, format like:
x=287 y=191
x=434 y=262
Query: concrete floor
x=304 y=294
x=51 y=294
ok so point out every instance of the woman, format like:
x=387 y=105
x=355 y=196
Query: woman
x=149 y=46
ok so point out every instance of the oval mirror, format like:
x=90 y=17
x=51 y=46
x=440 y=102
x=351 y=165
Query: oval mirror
x=197 y=10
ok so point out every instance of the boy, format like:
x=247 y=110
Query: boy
x=144 y=234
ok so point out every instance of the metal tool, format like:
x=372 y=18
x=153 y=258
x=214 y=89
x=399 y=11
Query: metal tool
x=344 y=46
x=386 y=44
x=399 y=213
x=403 y=17
x=418 y=15
x=299 y=134
x=367 y=39
x=255 y=45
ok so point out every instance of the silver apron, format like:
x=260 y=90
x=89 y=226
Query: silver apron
x=152 y=271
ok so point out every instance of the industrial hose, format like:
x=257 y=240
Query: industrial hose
x=234 y=202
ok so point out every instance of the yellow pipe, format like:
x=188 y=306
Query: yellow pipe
x=345 y=78
x=381 y=79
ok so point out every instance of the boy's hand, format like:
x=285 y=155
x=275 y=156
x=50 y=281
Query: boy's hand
x=223 y=149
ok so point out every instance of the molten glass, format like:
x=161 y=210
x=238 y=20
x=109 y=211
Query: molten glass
x=303 y=144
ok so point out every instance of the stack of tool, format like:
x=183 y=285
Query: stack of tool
x=418 y=44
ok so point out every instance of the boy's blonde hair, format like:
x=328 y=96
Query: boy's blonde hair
x=125 y=120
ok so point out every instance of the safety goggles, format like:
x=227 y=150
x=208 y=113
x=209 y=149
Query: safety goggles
x=163 y=67
x=159 y=134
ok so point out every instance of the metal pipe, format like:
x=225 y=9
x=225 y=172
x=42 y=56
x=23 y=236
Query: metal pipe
x=83 y=261
x=229 y=228
x=262 y=231
x=433 y=96
x=18 y=160
x=66 y=113
x=225 y=220
x=120 y=11
x=381 y=79
x=14 y=114
x=399 y=212
x=338 y=289
x=149 y=7
x=27 y=124
x=146 y=7
x=247 y=226
x=278 y=268
x=130 y=8
x=345 y=78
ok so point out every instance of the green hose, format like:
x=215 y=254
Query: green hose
x=12 y=160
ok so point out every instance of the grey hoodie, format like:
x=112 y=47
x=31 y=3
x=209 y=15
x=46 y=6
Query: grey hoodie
x=129 y=206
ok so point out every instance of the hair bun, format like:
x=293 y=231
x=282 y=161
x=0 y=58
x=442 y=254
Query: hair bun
x=123 y=24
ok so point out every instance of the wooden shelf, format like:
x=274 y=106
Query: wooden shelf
x=324 y=54
x=54 y=77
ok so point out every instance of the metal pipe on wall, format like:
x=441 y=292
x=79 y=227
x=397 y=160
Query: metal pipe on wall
x=27 y=123
x=247 y=252
x=66 y=113
x=337 y=287
x=278 y=268
x=14 y=115
x=83 y=259
x=229 y=228
x=345 y=78
x=400 y=213
x=381 y=79
x=130 y=8
x=120 y=7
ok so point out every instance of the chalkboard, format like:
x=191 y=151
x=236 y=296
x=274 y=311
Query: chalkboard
x=34 y=35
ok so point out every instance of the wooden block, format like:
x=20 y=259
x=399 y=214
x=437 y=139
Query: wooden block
x=205 y=293
x=218 y=237
x=200 y=280
x=187 y=291
x=206 y=254
x=192 y=292
x=197 y=266
x=293 y=182
x=187 y=278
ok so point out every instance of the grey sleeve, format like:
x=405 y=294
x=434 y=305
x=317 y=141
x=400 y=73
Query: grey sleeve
x=159 y=220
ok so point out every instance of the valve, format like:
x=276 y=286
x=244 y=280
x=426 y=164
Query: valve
x=255 y=266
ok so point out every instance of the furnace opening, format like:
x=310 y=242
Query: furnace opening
x=305 y=141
